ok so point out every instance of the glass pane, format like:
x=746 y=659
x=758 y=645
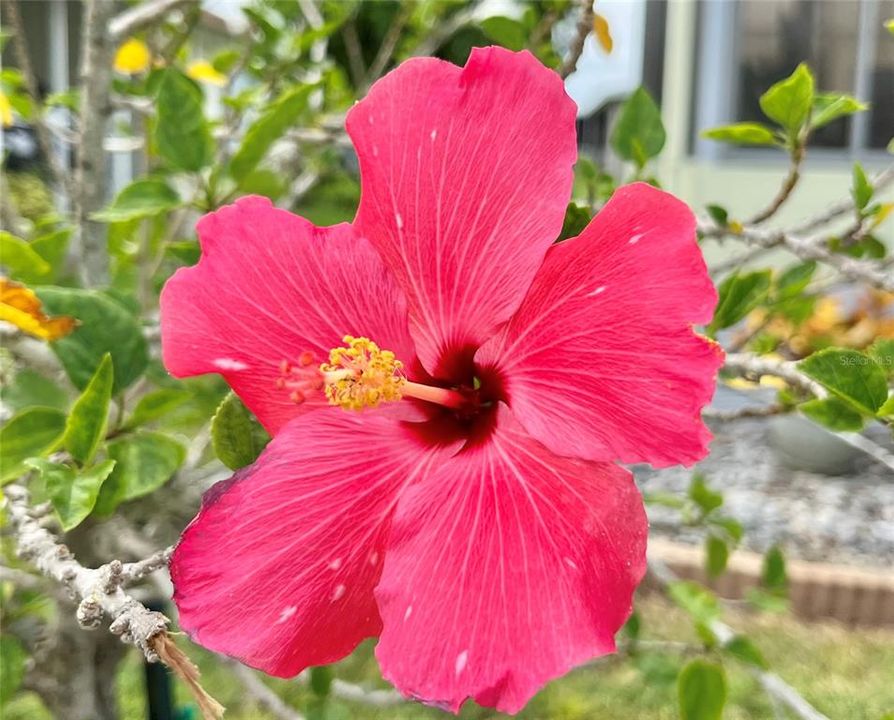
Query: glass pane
x=881 y=121
x=775 y=35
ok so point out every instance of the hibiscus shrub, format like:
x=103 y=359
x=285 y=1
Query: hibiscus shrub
x=405 y=347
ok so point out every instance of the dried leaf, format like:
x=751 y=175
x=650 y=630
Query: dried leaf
x=21 y=307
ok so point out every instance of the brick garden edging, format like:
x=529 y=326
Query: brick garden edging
x=852 y=595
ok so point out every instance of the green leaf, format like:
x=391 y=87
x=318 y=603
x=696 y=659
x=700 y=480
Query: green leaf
x=51 y=246
x=32 y=432
x=862 y=190
x=703 y=496
x=745 y=133
x=699 y=602
x=21 y=259
x=155 y=405
x=276 y=119
x=506 y=32
x=719 y=214
x=181 y=133
x=12 y=666
x=105 y=327
x=576 y=219
x=833 y=413
x=73 y=494
x=144 y=462
x=795 y=279
x=237 y=438
x=716 y=555
x=849 y=375
x=739 y=295
x=789 y=101
x=773 y=576
x=732 y=527
x=741 y=648
x=831 y=106
x=88 y=419
x=321 y=680
x=141 y=199
x=31 y=389
x=887 y=410
x=701 y=689
x=639 y=133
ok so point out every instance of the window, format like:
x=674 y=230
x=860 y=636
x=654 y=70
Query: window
x=747 y=45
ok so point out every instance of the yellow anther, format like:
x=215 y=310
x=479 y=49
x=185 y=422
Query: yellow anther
x=361 y=375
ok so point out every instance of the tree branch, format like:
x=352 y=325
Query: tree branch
x=748 y=364
x=844 y=206
x=788 y=185
x=141 y=16
x=772 y=684
x=60 y=177
x=386 y=49
x=89 y=190
x=263 y=694
x=584 y=28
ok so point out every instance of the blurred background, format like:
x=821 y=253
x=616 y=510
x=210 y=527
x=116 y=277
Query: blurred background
x=771 y=588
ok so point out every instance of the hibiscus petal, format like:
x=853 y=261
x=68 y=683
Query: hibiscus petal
x=466 y=174
x=278 y=567
x=272 y=287
x=600 y=361
x=506 y=567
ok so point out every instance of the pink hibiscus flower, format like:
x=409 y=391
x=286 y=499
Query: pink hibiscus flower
x=472 y=516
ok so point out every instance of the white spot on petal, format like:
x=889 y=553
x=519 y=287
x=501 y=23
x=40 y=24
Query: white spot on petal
x=229 y=364
x=597 y=291
x=374 y=558
x=335 y=564
x=408 y=612
x=434 y=134
x=399 y=220
x=375 y=151
x=286 y=613
x=338 y=592
x=461 y=661
x=636 y=238
x=570 y=563
x=370 y=119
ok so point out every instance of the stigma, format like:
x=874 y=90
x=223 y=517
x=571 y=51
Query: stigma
x=362 y=375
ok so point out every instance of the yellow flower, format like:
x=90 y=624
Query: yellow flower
x=203 y=71
x=21 y=307
x=5 y=110
x=132 y=57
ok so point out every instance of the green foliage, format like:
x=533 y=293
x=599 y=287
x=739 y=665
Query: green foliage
x=773 y=574
x=12 y=666
x=716 y=555
x=72 y=493
x=744 y=133
x=833 y=413
x=741 y=648
x=705 y=498
x=155 y=405
x=862 y=189
x=104 y=327
x=790 y=101
x=851 y=376
x=576 y=219
x=276 y=119
x=31 y=389
x=141 y=199
x=701 y=689
x=739 y=294
x=237 y=437
x=182 y=135
x=144 y=461
x=87 y=421
x=831 y=106
x=639 y=133
x=35 y=431
x=699 y=602
x=22 y=260
x=506 y=32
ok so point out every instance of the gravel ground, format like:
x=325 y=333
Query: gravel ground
x=768 y=472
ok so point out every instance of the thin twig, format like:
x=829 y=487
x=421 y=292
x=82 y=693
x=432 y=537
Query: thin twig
x=355 y=53
x=60 y=177
x=788 y=185
x=142 y=16
x=844 y=206
x=750 y=411
x=386 y=49
x=265 y=697
x=772 y=684
x=442 y=32
x=756 y=365
x=584 y=28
